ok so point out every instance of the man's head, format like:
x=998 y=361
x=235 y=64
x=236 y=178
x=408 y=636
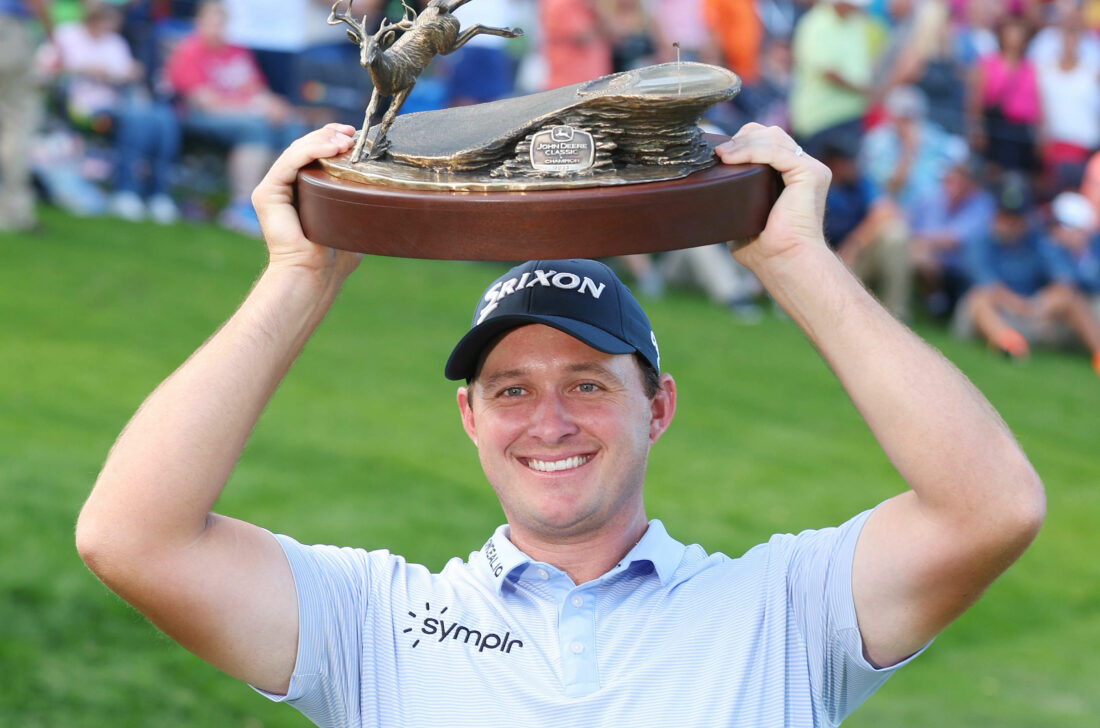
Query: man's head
x=1014 y=208
x=1073 y=221
x=905 y=105
x=557 y=402
x=583 y=298
x=210 y=20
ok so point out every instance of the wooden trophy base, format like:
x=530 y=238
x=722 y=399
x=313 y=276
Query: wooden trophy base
x=715 y=205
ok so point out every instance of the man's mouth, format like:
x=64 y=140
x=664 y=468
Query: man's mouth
x=554 y=466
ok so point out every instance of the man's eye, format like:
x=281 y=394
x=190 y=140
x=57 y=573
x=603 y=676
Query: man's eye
x=512 y=391
x=588 y=387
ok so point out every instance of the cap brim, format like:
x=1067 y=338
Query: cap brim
x=463 y=361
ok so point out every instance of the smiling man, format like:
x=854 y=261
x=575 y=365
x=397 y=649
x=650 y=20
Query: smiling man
x=580 y=610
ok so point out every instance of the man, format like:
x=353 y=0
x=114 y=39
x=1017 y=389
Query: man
x=943 y=224
x=579 y=611
x=226 y=99
x=833 y=65
x=1023 y=290
x=18 y=110
x=865 y=226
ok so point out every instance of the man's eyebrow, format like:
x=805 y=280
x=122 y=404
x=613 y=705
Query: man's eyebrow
x=496 y=378
x=593 y=368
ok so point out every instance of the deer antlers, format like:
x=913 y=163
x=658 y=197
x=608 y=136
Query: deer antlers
x=358 y=32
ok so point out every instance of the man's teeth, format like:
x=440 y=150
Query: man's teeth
x=556 y=465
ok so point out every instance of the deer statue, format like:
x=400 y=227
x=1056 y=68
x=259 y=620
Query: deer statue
x=395 y=63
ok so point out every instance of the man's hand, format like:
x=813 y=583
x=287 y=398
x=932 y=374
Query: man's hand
x=273 y=199
x=796 y=218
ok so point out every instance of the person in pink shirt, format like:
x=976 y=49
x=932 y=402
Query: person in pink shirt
x=226 y=99
x=1004 y=107
x=576 y=41
x=104 y=94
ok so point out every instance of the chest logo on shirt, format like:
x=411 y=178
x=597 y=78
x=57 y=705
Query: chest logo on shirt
x=439 y=630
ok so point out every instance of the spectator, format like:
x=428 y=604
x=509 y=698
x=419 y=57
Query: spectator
x=633 y=34
x=682 y=21
x=1074 y=234
x=896 y=36
x=103 y=81
x=1070 y=130
x=933 y=62
x=226 y=100
x=1023 y=293
x=1004 y=107
x=18 y=110
x=482 y=70
x=738 y=34
x=832 y=71
x=1048 y=46
x=906 y=155
x=576 y=42
x=867 y=231
x=280 y=41
x=943 y=224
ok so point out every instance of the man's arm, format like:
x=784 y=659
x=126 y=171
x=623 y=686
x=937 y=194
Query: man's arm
x=220 y=587
x=975 y=502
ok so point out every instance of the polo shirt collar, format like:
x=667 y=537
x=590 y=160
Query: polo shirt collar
x=500 y=558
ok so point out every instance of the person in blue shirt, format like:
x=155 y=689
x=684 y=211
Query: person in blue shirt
x=865 y=227
x=943 y=225
x=1077 y=242
x=1022 y=287
x=578 y=610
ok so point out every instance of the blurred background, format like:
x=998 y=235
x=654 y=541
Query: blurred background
x=962 y=137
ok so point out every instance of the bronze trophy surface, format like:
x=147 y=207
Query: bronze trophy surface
x=611 y=166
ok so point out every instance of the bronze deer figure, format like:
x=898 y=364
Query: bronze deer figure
x=395 y=63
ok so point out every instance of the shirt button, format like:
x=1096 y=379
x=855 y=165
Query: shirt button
x=577 y=648
x=577 y=600
x=543 y=574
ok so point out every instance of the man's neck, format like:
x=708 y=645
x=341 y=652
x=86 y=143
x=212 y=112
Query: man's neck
x=587 y=556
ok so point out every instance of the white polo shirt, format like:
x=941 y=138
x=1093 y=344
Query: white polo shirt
x=671 y=636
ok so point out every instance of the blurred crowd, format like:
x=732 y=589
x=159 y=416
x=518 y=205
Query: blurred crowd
x=962 y=135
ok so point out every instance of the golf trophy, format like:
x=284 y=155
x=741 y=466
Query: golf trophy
x=612 y=166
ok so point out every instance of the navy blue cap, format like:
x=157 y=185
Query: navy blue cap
x=583 y=298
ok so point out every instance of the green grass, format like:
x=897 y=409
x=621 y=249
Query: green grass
x=362 y=446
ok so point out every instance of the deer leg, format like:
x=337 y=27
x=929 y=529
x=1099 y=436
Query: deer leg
x=482 y=30
x=387 y=120
x=357 y=152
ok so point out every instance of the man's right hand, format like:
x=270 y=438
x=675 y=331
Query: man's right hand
x=273 y=199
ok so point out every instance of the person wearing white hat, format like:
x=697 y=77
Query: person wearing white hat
x=1077 y=239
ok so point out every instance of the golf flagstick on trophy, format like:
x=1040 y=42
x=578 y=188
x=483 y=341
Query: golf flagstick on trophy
x=611 y=166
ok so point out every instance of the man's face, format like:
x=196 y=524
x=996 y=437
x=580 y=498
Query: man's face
x=1009 y=228
x=563 y=432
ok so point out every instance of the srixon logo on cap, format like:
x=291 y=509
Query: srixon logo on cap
x=564 y=280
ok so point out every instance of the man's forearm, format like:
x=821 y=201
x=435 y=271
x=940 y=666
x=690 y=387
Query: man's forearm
x=172 y=460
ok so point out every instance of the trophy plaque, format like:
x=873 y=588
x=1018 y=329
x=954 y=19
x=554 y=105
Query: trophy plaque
x=612 y=166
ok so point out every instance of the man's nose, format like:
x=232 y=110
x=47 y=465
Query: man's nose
x=551 y=419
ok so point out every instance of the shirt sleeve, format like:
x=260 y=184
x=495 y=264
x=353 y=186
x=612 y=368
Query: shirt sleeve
x=1056 y=261
x=819 y=585
x=332 y=585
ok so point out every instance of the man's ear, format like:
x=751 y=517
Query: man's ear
x=466 y=412
x=662 y=408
